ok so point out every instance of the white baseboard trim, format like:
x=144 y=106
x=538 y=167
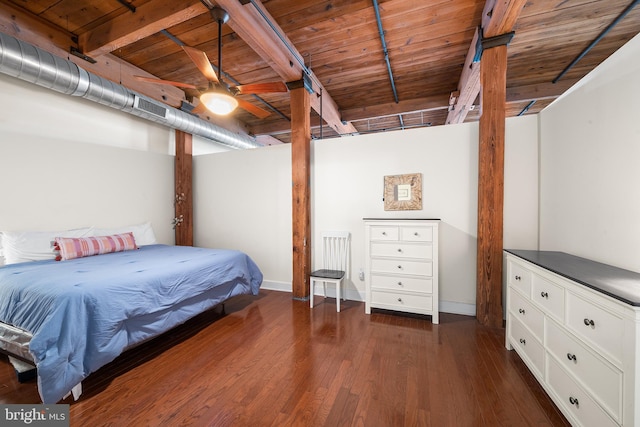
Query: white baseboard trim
x=350 y=294
x=451 y=307
x=276 y=286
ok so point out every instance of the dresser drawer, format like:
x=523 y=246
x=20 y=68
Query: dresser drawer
x=596 y=325
x=526 y=345
x=381 y=232
x=402 y=302
x=519 y=278
x=401 y=250
x=400 y=266
x=523 y=310
x=416 y=234
x=599 y=377
x=548 y=296
x=412 y=284
x=574 y=398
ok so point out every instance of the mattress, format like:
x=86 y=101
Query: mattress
x=15 y=341
x=83 y=313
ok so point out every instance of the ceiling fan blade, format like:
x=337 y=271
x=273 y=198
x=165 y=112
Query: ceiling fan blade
x=202 y=62
x=164 y=82
x=256 y=111
x=256 y=88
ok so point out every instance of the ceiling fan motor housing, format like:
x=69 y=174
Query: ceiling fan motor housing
x=219 y=15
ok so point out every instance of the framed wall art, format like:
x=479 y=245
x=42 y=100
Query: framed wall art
x=403 y=192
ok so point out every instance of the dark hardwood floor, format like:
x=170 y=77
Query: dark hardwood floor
x=272 y=361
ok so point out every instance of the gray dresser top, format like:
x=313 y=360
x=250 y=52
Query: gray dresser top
x=623 y=285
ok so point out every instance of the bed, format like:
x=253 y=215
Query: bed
x=71 y=317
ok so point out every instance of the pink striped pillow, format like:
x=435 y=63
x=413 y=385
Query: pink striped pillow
x=70 y=248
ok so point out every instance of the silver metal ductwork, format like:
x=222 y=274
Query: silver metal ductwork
x=32 y=64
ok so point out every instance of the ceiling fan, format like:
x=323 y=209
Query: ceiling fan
x=220 y=98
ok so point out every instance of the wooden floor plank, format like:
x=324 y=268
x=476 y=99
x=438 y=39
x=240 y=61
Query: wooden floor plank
x=272 y=361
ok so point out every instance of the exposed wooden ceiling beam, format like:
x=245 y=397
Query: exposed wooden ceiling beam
x=280 y=127
x=503 y=16
x=29 y=28
x=268 y=140
x=128 y=28
x=402 y=107
x=498 y=17
x=468 y=86
x=248 y=22
x=526 y=93
x=539 y=92
x=536 y=92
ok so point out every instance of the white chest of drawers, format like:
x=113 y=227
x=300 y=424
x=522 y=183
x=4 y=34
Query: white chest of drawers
x=576 y=324
x=402 y=265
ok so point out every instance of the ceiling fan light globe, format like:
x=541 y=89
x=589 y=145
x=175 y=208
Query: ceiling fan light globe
x=219 y=103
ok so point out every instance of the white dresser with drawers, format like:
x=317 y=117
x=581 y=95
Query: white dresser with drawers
x=401 y=271
x=576 y=323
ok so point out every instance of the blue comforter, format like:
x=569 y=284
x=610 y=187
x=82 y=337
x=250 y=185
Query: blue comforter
x=84 y=312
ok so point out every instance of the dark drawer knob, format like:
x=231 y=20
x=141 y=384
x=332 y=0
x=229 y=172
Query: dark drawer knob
x=589 y=322
x=400 y=266
x=399 y=299
x=572 y=357
x=518 y=278
x=523 y=341
x=573 y=401
x=544 y=294
x=399 y=283
x=521 y=311
x=384 y=233
x=399 y=250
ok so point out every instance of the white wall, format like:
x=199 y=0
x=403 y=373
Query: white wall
x=521 y=183
x=347 y=186
x=243 y=198
x=67 y=162
x=590 y=152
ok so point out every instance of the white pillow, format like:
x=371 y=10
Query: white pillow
x=25 y=246
x=143 y=233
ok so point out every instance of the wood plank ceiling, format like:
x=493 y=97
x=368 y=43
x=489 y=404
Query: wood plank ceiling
x=340 y=42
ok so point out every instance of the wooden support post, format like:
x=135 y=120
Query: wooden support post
x=301 y=203
x=493 y=77
x=183 y=197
